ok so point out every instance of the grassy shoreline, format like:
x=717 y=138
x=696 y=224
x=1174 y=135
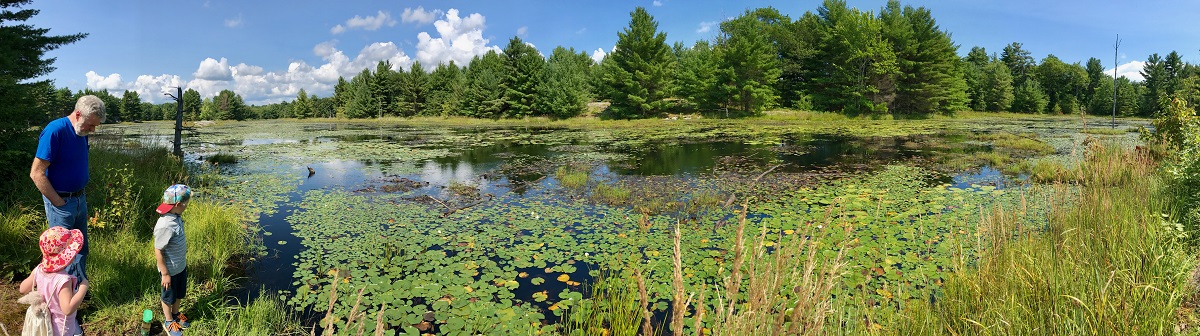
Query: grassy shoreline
x=1110 y=262
x=127 y=225
x=125 y=187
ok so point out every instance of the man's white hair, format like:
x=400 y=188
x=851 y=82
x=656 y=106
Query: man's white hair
x=90 y=105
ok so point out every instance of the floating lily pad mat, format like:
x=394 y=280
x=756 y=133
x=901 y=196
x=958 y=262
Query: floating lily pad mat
x=474 y=227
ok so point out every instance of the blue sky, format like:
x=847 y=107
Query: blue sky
x=268 y=50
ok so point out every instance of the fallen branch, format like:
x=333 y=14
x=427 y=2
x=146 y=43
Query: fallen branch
x=733 y=196
x=451 y=211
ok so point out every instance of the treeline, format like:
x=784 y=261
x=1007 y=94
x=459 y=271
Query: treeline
x=836 y=58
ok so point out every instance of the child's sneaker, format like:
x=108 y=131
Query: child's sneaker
x=172 y=328
x=182 y=320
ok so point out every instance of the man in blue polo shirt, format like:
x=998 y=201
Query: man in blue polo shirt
x=60 y=172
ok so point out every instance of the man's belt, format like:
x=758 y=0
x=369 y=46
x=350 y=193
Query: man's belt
x=69 y=194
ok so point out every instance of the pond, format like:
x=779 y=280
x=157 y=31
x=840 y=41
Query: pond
x=497 y=229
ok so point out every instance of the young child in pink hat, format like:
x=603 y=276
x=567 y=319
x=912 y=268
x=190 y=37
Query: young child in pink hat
x=59 y=247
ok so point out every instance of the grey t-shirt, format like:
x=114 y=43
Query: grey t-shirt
x=169 y=237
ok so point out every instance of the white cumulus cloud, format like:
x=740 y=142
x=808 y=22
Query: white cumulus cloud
x=111 y=82
x=460 y=39
x=521 y=31
x=657 y=3
x=211 y=69
x=1131 y=70
x=419 y=15
x=598 y=55
x=706 y=26
x=457 y=38
x=153 y=87
x=365 y=23
x=234 y=22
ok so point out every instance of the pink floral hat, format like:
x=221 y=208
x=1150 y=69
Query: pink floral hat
x=59 y=247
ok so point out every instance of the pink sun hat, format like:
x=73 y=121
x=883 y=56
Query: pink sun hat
x=59 y=247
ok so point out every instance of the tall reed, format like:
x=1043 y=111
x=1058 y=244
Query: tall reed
x=1106 y=265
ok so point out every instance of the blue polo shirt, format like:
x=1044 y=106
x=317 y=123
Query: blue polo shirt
x=67 y=153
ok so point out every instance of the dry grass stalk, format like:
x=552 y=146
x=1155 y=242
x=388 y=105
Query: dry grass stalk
x=700 y=311
x=329 y=312
x=789 y=292
x=645 y=299
x=379 y=326
x=678 y=306
x=735 y=278
x=354 y=311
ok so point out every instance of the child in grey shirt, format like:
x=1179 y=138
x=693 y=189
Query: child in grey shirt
x=170 y=249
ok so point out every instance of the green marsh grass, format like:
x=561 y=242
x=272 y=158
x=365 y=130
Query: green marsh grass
x=784 y=290
x=1106 y=131
x=267 y=315
x=612 y=309
x=1025 y=142
x=571 y=177
x=610 y=194
x=222 y=158
x=1041 y=171
x=1104 y=265
x=126 y=185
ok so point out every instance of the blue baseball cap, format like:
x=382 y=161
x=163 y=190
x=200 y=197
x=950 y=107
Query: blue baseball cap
x=175 y=194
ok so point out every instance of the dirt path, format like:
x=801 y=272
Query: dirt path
x=12 y=314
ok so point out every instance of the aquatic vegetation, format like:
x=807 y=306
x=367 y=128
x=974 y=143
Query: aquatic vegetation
x=222 y=158
x=1077 y=270
x=610 y=194
x=503 y=249
x=570 y=177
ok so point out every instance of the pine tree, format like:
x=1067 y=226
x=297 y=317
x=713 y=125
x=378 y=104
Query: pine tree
x=696 y=77
x=23 y=48
x=414 y=91
x=339 y=96
x=359 y=102
x=977 y=59
x=385 y=86
x=131 y=106
x=485 y=90
x=996 y=93
x=191 y=105
x=1156 y=78
x=792 y=50
x=64 y=103
x=930 y=79
x=1029 y=97
x=208 y=110
x=854 y=66
x=302 y=107
x=563 y=90
x=447 y=90
x=1019 y=63
x=639 y=79
x=1095 y=74
x=229 y=106
x=1127 y=97
x=523 y=70
x=748 y=64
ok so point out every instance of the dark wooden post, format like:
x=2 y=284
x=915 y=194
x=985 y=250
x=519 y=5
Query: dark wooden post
x=178 y=120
